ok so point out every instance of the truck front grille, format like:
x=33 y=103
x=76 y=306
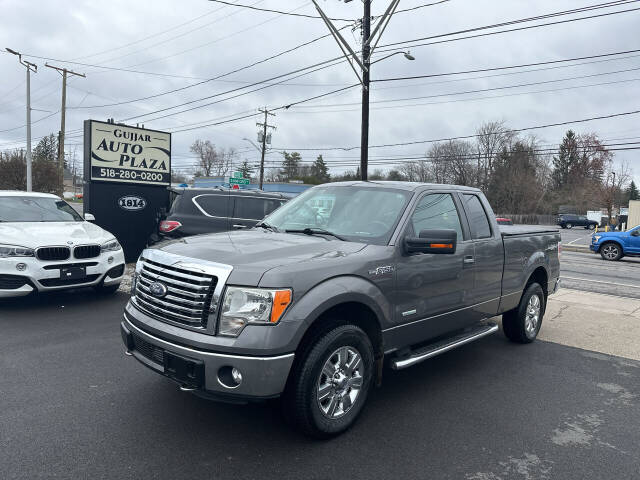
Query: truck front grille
x=153 y=353
x=53 y=253
x=188 y=293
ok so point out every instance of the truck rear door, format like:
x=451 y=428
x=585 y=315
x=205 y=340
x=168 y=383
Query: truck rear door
x=488 y=256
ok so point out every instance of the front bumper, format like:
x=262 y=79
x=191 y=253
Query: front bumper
x=594 y=247
x=203 y=372
x=44 y=276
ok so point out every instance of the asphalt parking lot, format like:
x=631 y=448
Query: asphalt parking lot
x=73 y=406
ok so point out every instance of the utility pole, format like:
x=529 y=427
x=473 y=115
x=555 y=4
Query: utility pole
x=64 y=72
x=366 y=75
x=369 y=43
x=264 y=126
x=31 y=67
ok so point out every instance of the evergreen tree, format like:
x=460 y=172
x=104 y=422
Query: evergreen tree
x=632 y=192
x=290 y=165
x=567 y=158
x=245 y=169
x=320 y=170
x=47 y=149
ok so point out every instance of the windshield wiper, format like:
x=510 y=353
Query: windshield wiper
x=316 y=231
x=266 y=226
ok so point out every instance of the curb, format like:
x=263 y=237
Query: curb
x=575 y=248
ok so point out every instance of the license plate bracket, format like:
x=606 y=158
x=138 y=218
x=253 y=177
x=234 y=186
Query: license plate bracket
x=187 y=371
x=73 y=273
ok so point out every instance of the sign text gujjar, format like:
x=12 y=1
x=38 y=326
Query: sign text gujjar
x=126 y=154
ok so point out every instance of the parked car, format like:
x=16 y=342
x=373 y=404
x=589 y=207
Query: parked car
x=615 y=245
x=570 y=221
x=45 y=245
x=209 y=210
x=504 y=221
x=308 y=306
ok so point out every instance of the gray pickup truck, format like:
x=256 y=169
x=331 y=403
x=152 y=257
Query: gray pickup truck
x=311 y=303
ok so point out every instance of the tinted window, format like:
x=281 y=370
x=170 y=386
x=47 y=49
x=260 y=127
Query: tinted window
x=36 y=209
x=436 y=212
x=478 y=221
x=213 y=205
x=254 y=208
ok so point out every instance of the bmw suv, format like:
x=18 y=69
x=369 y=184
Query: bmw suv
x=210 y=210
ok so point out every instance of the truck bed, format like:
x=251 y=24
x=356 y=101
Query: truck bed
x=514 y=230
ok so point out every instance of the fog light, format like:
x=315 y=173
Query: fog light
x=21 y=267
x=110 y=260
x=229 y=377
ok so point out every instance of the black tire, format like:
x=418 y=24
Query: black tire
x=569 y=225
x=514 y=322
x=103 y=289
x=301 y=406
x=591 y=226
x=611 y=251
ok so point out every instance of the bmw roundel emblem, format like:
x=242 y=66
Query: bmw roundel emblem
x=158 y=289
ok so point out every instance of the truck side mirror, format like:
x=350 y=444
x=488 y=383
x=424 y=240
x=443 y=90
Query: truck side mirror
x=89 y=217
x=432 y=241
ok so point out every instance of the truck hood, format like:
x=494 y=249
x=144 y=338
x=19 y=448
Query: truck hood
x=40 y=234
x=251 y=253
x=609 y=234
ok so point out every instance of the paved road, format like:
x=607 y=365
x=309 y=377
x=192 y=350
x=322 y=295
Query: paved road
x=73 y=406
x=588 y=272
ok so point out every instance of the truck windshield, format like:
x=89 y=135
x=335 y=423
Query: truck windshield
x=359 y=214
x=36 y=209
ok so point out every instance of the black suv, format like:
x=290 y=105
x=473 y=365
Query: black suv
x=209 y=210
x=570 y=221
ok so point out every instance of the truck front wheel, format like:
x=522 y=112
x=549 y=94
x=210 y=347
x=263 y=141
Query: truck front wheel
x=610 y=251
x=522 y=324
x=329 y=384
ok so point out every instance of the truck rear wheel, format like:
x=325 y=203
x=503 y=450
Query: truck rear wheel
x=329 y=384
x=522 y=324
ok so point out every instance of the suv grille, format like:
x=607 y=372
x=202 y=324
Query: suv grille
x=86 y=251
x=188 y=297
x=53 y=253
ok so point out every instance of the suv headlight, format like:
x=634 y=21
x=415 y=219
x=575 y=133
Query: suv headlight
x=15 y=251
x=243 y=306
x=110 y=246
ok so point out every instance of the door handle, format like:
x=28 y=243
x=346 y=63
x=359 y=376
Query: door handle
x=238 y=225
x=469 y=260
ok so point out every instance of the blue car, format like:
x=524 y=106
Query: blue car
x=614 y=245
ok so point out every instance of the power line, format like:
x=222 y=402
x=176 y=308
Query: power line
x=250 y=7
x=464 y=137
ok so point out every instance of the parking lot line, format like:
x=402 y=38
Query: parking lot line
x=600 y=281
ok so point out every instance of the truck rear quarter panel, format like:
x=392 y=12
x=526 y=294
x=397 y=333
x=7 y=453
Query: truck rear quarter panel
x=523 y=255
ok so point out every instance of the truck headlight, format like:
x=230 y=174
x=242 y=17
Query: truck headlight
x=243 y=306
x=596 y=238
x=15 y=251
x=110 y=246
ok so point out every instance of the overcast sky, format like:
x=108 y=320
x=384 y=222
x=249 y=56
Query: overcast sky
x=179 y=43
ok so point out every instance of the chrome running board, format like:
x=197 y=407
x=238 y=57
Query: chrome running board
x=443 y=346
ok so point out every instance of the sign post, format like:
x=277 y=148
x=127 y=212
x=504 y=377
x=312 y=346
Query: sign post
x=127 y=171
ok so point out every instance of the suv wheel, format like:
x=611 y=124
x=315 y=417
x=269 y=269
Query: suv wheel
x=610 y=251
x=329 y=385
x=569 y=225
x=591 y=226
x=522 y=324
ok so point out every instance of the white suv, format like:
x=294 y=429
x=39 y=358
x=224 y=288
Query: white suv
x=45 y=245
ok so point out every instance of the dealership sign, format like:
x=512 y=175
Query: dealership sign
x=119 y=153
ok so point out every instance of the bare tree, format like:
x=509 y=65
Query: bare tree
x=211 y=160
x=616 y=178
x=491 y=139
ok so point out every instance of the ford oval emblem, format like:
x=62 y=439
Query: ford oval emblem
x=158 y=289
x=132 y=203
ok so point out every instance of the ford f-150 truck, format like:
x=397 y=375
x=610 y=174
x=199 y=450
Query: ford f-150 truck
x=615 y=245
x=311 y=303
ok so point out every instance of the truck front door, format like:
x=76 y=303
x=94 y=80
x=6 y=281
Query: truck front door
x=432 y=289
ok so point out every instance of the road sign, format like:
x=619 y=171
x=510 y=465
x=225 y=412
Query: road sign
x=239 y=181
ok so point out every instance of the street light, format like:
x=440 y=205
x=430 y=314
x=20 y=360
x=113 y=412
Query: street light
x=406 y=54
x=30 y=67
